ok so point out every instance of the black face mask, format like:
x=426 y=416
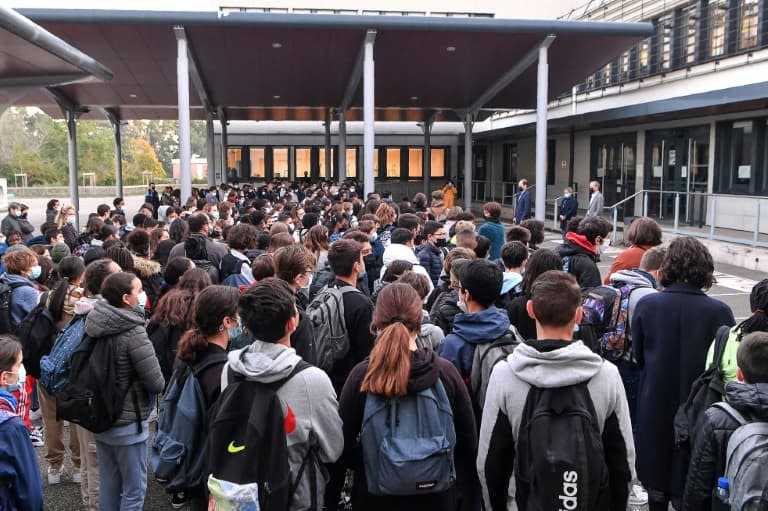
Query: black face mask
x=441 y=242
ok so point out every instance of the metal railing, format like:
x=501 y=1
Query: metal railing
x=722 y=217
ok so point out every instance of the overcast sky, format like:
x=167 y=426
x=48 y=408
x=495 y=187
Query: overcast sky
x=141 y=5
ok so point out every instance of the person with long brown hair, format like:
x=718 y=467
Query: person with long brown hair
x=173 y=316
x=396 y=369
x=317 y=242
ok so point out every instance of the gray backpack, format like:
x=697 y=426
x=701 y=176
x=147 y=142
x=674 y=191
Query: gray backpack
x=747 y=462
x=486 y=356
x=408 y=443
x=326 y=312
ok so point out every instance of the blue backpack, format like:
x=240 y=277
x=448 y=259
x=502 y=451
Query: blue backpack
x=178 y=449
x=231 y=271
x=54 y=367
x=408 y=443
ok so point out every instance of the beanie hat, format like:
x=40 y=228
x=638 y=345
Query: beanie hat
x=59 y=252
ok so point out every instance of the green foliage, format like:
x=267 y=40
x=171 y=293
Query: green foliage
x=34 y=144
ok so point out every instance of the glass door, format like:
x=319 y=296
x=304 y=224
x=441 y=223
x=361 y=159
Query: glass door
x=613 y=165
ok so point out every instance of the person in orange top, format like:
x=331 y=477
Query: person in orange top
x=643 y=233
x=449 y=193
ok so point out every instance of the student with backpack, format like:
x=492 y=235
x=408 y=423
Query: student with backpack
x=480 y=322
x=202 y=355
x=235 y=269
x=730 y=443
x=540 y=262
x=117 y=323
x=671 y=332
x=548 y=393
x=426 y=461
x=581 y=250
x=61 y=305
x=276 y=421
x=21 y=268
x=198 y=247
x=21 y=488
x=514 y=254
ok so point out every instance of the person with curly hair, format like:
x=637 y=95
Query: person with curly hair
x=671 y=333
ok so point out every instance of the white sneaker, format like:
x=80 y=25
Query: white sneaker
x=35 y=415
x=37 y=437
x=54 y=476
x=638 y=496
x=76 y=477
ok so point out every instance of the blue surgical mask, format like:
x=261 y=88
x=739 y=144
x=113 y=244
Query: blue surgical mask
x=234 y=333
x=22 y=380
x=142 y=299
x=36 y=272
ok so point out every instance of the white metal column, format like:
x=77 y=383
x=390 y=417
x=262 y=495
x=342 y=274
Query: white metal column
x=427 y=157
x=72 y=153
x=182 y=79
x=368 y=117
x=210 y=150
x=542 y=88
x=468 y=122
x=342 y=156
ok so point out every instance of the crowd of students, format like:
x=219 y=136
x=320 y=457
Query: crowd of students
x=399 y=357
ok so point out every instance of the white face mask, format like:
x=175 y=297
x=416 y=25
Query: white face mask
x=462 y=305
x=142 y=299
x=70 y=220
x=566 y=195
x=215 y=215
x=601 y=248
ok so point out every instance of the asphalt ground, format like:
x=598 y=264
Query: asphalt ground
x=733 y=287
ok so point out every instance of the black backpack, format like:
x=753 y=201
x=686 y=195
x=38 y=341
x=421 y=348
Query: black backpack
x=231 y=265
x=165 y=340
x=91 y=397
x=560 y=461
x=6 y=292
x=707 y=390
x=37 y=331
x=247 y=442
x=196 y=250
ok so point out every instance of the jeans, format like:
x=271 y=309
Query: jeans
x=123 y=475
x=630 y=375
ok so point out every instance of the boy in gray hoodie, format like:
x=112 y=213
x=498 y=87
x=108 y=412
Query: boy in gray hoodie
x=552 y=362
x=309 y=402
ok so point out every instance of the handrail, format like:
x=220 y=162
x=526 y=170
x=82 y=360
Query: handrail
x=626 y=199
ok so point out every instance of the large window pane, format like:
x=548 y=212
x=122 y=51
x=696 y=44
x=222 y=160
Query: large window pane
x=748 y=23
x=303 y=162
x=717 y=10
x=437 y=158
x=234 y=160
x=257 y=162
x=352 y=162
x=415 y=160
x=742 y=152
x=280 y=162
x=393 y=162
x=323 y=172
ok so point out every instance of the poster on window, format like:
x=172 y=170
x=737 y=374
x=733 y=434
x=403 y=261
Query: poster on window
x=745 y=171
x=657 y=171
x=672 y=157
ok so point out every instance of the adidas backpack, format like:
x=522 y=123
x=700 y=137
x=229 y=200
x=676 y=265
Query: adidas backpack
x=177 y=451
x=55 y=367
x=326 y=312
x=486 y=356
x=90 y=397
x=560 y=462
x=408 y=443
x=247 y=450
x=231 y=271
x=746 y=462
x=606 y=312
x=37 y=331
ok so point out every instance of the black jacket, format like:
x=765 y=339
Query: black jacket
x=431 y=258
x=568 y=208
x=518 y=316
x=426 y=368
x=581 y=262
x=709 y=453
x=444 y=310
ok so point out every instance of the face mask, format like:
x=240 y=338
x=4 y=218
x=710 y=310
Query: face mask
x=230 y=221
x=374 y=237
x=566 y=195
x=70 y=220
x=18 y=213
x=440 y=242
x=142 y=299
x=309 y=282
x=234 y=333
x=36 y=272
x=604 y=245
x=462 y=306
x=22 y=380
x=215 y=215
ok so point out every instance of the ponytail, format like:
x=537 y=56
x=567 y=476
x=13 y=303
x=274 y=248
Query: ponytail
x=191 y=344
x=389 y=365
x=757 y=322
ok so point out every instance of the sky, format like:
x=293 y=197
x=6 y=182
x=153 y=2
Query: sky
x=141 y=5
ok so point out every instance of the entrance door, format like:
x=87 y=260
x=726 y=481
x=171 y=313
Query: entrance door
x=613 y=165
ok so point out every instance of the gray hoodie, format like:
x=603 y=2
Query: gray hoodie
x=550 y=364
x=308 y=396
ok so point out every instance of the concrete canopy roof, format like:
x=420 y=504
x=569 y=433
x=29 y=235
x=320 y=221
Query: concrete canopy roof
x=295 y=67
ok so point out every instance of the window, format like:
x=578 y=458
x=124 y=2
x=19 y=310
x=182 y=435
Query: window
x=234 y=159
x=666 y=42
x=323 y=173
x=257 y=162
x=748 y=23
x=644 y=57
x=717 y=10
x=393 y=162
x=303 y=162
x=437 y=162
x=352 y=162
x=741 y=148
x=415 y=161
x=280 y=162
x=690 y=18
x=509 y=171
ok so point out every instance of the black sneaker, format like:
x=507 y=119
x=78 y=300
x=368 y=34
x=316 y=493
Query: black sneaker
x=179 y=500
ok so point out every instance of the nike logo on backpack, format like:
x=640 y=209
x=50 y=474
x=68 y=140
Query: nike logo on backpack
x=234 y=449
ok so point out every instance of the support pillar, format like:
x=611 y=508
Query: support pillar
x=185 y=155
x=328 y=167
x=342 y=150
x=542 y=88
x=118 y=159
x=468 y=122
x=224 y=143
x=72 y=154
x=210 y=149
x=292 y=163
x=427 y=157
x=368 y=117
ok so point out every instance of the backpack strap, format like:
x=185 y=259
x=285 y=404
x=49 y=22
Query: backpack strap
x=721 y=341
x=217 y=358
x=732 y=412
x=310 y=458
x=135 y=397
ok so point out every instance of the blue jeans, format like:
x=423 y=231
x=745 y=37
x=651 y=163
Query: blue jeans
x=123 y=475
x=630 y=375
